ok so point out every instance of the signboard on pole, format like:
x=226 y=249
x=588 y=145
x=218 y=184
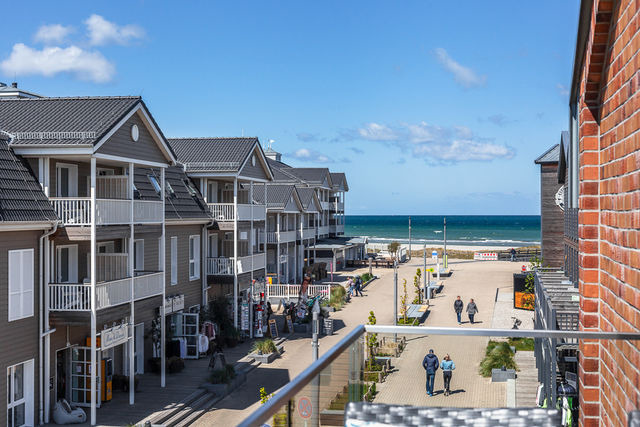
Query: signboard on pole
x=244 y=316
x=305 y=409
x=485 y=256
x=434 y=255
x=112 y=337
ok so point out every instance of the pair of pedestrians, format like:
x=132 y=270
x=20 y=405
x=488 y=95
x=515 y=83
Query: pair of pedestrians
x=431 y=365
x=354 y=286
x=472 y=309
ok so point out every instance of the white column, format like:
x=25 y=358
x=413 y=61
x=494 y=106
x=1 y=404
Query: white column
x=235 y=252
x=252 y=232
x=94 y=355
x=278 y=246
x=163 y=262
x=47 y=340
x=43 y=174
x=130 y=342
x=204 y=182
x=203 y=262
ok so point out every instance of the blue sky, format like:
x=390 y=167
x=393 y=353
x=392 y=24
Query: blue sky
x=429 y=107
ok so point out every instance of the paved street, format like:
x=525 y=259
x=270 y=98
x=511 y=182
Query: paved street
x=470 y=279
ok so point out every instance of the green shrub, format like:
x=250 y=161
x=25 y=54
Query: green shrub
x=222 y=376
x=366 y=277
x=408 y=322
x=336 y=300
x=264 y=346
x=498 y=354
x=522 y=344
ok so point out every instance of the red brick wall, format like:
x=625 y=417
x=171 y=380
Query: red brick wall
x=609 y=221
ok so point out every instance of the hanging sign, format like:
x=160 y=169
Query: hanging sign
x=112 y=337
x=244 y=317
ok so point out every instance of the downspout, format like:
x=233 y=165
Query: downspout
x=205 y=258
x=43 y=334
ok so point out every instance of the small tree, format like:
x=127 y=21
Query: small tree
x=530 y=282
x=264 y=396
x=403 y=301
x=372 y=339
x=393 y=249
x=416 y=283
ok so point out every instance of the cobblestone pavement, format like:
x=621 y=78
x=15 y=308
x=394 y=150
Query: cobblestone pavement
x=477 y=280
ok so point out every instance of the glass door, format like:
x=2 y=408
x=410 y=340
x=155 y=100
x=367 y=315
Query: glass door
x=80 y=370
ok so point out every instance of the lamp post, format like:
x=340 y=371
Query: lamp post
x=445 y=258
x=424 y=269
x=395 y=297
x=409 y=238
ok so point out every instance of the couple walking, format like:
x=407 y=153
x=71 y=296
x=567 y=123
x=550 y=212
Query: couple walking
x=354 y=287
x=472 y=309
x=430 y=364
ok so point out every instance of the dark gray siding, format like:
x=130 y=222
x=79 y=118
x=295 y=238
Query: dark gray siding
x=257 y=171
x=192 y=289
x=552 y=217
x=121 y=144
x=18 y=339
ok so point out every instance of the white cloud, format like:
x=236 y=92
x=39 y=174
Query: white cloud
x=50 y=61
x=52 y=34
x=307 y=155
x=461 y=74
x=101 y=31
x=435 y=143
x=564 y=91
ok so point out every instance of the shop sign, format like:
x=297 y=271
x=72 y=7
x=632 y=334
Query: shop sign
x=173 y=304
x=244 y=317
x=112 y=337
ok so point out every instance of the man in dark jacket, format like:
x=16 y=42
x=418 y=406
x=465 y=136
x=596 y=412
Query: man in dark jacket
x=430 y=363
x=458 y=305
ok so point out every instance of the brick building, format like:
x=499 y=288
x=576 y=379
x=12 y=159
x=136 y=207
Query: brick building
x=603 y=183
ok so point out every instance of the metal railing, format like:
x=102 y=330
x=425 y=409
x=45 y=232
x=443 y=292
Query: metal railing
x=571 y=224
x=288 y=291
x=336 y=228
x=112 y=266
x=72 y=210
x=310 y=376
x=147 y=211
x=147 y=285
x=306 y=233
x=69 y=297
x=225 y=212
x=220 y=266
x=323 y=230
x=112 y=187
x=77 y=211
x=251 y=263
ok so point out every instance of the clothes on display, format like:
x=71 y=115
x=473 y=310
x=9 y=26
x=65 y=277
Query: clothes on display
x=203 y=343
x=182 y=342
x=208 y=329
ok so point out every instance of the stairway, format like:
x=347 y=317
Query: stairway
x=526 y=380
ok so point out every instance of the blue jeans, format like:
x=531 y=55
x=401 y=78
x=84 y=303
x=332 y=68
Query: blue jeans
x=459 y=315
x=431 y=377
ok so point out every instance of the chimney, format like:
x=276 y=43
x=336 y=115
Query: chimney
x=14 y=85
x=273 y=155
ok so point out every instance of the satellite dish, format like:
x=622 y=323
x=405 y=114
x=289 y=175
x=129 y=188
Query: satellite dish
x=559 y=199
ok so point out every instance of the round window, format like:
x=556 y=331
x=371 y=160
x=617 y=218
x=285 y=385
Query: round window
x=135 y=133
x=253 y=160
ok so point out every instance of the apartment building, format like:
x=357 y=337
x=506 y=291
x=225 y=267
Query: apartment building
x=230 y=172
x=26 y=217
x=602 y=172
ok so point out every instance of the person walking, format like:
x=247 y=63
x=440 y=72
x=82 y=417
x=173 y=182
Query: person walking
x=349 y=287
x=359 y=286
x=472 y=310
x=458 y=305
x=513 y=255
x=447 y=366
x=430 y=364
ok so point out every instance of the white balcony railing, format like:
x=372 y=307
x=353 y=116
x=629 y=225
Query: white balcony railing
x=292 y=291
x=147 y=285
x=272 y=237
x=251 y=263
x=336 y=229
x=77 y=297
x=225 y=212
x=306 y=233
x=282 y=237
x=223 y=266
x=77 y=211
x=220 y=266
x=112 y=187
x=325 y=205
x=323 y=230
x=147 y=211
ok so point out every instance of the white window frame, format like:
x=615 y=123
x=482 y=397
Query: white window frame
x=194 y=257
x=73 y=179
x=22 y=292
x=173 y=254
x=138 y=264
x=28 y=384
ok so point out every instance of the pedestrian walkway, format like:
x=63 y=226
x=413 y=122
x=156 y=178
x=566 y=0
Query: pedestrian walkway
x=527 y=379
x=477 y=280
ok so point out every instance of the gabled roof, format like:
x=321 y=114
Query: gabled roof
x=308 y=197
x=182 y=198
x=280 y=173
x=550 y=156
x=563 y=156
x=213 y=154
x=314 y=176
x=278 y=195
x=338 y=179
x=41 y=121
x=21 y=197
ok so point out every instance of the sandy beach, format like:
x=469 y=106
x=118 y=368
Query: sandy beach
x=470 y=248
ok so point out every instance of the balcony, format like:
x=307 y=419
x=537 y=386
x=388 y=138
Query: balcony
x=282 y=237
x=325 y=205
x=338 y=384
x=336 y=205
x=336 y=229
x=323 y=230
x=223 y=266
x=75 y=297
x=306 y=233
x=77 y=211
x=225 y=212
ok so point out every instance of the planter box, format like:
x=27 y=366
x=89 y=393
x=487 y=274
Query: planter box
x=500 y=376
x=264 y=358
x=224 y=389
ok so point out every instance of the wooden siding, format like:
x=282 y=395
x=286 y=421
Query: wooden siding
x=120 y=144
x=20 y=336
x=192 y=289
x=552 y=218
x=258 y=171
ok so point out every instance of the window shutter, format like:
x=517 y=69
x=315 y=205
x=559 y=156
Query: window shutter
x=20 y=284
x=174 y=260
x=196 y=248
x=15 y=271
x=27 y=283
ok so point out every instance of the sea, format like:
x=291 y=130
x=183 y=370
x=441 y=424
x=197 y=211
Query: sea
x=468 y=230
